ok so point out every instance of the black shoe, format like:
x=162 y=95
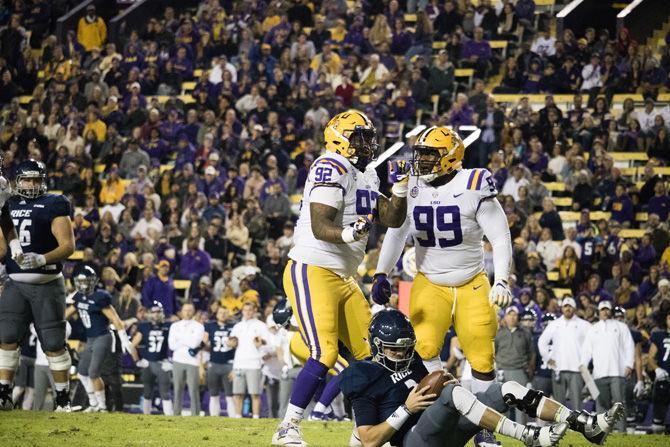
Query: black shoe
x=63 y=402
x=596 y=427
x=6 y=402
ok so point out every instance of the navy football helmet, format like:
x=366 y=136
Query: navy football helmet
x=156 y=313
x=547 y=318
x=282 y=313
x=619 y=312
x=85 y=279
x=528 y=318
x=389 y=328
x=31 y=169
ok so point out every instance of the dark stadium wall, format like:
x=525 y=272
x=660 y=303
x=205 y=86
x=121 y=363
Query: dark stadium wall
x=644 y=18
x=596 y=14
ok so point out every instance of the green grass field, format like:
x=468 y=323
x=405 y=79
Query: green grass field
x=20 y=428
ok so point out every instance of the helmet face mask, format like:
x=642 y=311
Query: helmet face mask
x=156 y=314
x=393 y=363
x=25 y=184
x=425 y=161
x=352 y=135
x=363 y=142
x=392 y=340
x=85 y=280
x=438 y=151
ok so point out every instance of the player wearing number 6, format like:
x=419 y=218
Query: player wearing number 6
x=449 y=211
x=36 y=290
x=340 y=199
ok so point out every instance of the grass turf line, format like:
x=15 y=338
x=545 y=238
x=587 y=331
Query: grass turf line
x=23 y=428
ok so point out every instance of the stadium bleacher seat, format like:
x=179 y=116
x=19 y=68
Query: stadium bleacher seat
x=561 y=292
x=181 y=284
x=555 y=186
x=631 y=233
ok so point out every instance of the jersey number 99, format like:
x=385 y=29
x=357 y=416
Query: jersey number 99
x=446 y=219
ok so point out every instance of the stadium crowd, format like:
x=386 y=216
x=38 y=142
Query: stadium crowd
x=186 y=200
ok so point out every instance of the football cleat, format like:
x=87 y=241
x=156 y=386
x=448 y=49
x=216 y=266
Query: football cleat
x=355 y=439
x=546 y=436
x=596 y=427
x=289 y=434
x=92 y=409
x=63 y=402
x=485 y=438
x=6 y=402
x=319 y=416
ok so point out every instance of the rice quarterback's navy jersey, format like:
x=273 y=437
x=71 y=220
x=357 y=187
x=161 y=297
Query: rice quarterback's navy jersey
x=662 y=341
x=375 y=393
x=89 y=308
x=155 y=340
x=32 y=219
x=220 y=352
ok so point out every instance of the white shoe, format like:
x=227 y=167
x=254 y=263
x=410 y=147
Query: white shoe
x=289 y=434
x=355 y=439
x=92 y=409
x=63 y=409
x=547 y=436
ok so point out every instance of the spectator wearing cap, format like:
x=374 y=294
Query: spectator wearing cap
x=663 y=294
x=515 y=352
x=211 y=184
x=609 y=344
x=201 y=295
x=560 y=346
x=91 y=30
x=159 y=287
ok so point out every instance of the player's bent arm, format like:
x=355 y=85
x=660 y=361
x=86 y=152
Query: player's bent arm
x=69 y=311
x=8 y=230
x=113 y=317
x=324 y=226
x=492 y=219
x=394 y=243
x=375 y=435
x=393 y=211
x=61 y=227
x=137 y=339
x=638 y=360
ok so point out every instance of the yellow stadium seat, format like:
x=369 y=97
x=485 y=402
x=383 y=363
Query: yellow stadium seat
x=410 y=17
x=641 y=217
x=562 y=201
x=555 y=186
x=181 y=284
x=631 y=232
x=560 y=292
x=569 y=216
x=629 y=172
x=552 y=276
x=629 y=156
x=188 y=86
x=40 y=74
x=439 y=45
x=23 y=100
x=620 y=98
x=197 y=72
x=166 y=167
x=364 y=99
x=664 y=96
x=296 y=198
x=307 y=30
x=464 y=72
x=100 y=168
x=77 y=255
x=662 y=170
x=599 y=215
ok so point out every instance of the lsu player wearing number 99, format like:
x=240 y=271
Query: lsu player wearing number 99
x=449 y=210
x=36 y=289
x=340 y=199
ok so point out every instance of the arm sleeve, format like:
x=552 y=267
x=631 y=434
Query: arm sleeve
x=628 y=348
x=365 y=411
x=491 y=217
x=587 y=349
x=545 y=340
x=394 y=243
x=173 y=338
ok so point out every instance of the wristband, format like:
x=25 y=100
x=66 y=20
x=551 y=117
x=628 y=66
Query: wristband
x=349 y=235
x=400 y=189
x=399 y=417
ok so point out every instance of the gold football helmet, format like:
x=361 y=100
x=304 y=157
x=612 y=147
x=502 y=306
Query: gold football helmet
x=352 y=135
x=438 y=151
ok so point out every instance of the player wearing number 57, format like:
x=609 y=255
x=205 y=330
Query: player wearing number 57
x=340 y=200
x=36 y=289
x=449 y=210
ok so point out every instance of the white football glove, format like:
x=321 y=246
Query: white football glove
x=500 y=294
x=16 y=251
x=32 y=261
x=638 y=389
x=358 y=230
x=166 y=365
x=661 y=374
x=126 y=345
x=142 y=363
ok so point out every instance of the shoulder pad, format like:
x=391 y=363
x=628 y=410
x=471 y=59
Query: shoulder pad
x=103 y=298
x=58 y=205
x=328 y=170
x=358 y=377
x=481 y=181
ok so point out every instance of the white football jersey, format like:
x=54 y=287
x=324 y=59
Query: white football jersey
x=442 y=221
x=359 y=198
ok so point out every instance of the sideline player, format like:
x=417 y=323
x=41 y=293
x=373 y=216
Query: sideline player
x=155 y=364
x=221 y=357
x=448 y=212
x=36 y=290
x=659 y=361
x=340 y=199
x=389 y=407
x=96 y=313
